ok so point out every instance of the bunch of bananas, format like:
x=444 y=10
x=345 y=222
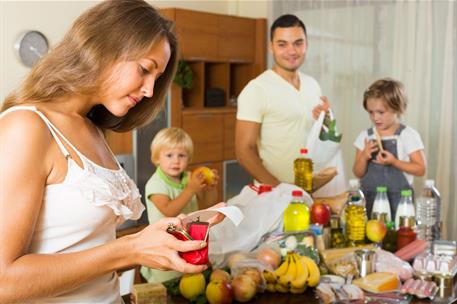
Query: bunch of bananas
x=293 y=275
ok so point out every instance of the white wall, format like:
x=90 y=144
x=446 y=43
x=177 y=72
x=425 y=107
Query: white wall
x=53 y=18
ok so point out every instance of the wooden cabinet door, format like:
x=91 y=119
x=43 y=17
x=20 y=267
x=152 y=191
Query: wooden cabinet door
x=197 y=34
x=229 y=136
x=119 y=143
x=207 y=133
x=236 y=38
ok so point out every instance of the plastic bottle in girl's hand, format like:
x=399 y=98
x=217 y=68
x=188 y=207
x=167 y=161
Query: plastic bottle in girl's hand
x=405 y=207
x=381 y=203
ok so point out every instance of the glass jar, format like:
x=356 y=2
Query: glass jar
x=405 y=234
x=336 y=233
x=390 y=240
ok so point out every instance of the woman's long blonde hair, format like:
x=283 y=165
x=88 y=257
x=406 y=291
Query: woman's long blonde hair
x=111 y=31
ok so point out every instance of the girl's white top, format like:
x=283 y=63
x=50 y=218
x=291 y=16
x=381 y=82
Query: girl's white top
x=81 y=213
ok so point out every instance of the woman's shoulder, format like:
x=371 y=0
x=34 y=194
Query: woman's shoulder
x=23 y=123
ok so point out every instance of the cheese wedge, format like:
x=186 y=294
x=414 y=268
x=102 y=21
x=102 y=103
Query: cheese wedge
x=378 y=282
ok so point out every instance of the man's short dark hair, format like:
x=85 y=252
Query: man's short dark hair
x=286 y=20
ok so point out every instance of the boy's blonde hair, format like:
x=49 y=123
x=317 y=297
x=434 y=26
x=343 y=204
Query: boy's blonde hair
x=171 y=138
x=391 y=91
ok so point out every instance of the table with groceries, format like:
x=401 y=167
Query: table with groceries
x=305 y=249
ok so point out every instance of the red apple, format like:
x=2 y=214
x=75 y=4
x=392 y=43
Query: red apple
x=219 y=292
x=221 y=275
x=207 y=173
x=376 y=230
x=244 y=288
x=320 y=213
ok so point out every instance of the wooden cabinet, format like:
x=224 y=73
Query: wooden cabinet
x=197 y=34
x=120 y=143
x=207 y=133
x=229 y=135
x=236 y=38
x=210 y=36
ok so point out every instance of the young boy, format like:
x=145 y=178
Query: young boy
x=171 y=190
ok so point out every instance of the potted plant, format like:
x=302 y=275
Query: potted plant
x=184 y=76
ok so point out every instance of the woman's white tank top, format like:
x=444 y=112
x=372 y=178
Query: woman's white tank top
x=81 y=213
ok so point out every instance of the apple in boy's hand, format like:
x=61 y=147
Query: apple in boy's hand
x=208 y=175
x=320 y=213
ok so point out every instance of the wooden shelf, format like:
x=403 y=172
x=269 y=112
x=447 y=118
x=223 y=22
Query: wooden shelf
x=215 y=110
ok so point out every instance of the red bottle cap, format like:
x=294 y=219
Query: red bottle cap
x=297 y=193
x=264 y=188
x=303 y=151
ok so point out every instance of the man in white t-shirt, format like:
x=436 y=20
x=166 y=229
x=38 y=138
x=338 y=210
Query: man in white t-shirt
x=276 y=110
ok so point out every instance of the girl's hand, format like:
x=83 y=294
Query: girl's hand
x=385 y=158
x=370 y=147
x=324 y=106
x=158 y=249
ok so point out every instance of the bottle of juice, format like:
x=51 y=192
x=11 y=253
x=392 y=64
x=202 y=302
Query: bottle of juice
x=296 y=215
x=356 y=218
x=303 y=170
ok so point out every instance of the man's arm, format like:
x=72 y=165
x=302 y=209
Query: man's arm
x=246 y=135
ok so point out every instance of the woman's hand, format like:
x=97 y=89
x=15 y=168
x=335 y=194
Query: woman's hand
x=219 y=217
x=158 y=249
x=214 y=220
x=323 y=106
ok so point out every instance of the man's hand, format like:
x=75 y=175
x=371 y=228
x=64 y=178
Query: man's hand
x=323 y=106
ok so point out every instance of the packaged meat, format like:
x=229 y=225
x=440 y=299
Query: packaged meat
x=420 y=288
x=388 y=262
x=325 y=293
x=332 y=292
x=412 y=250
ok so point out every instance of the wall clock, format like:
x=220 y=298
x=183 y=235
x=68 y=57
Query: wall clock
x=31 y=46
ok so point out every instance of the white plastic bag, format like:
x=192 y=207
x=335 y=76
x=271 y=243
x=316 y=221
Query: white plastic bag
x=326 y=153
x=263 y=213
x=321 y=152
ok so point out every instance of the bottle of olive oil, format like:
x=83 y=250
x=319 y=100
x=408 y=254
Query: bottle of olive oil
x=356 y=218
x=303 y=170
x=296 y=215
